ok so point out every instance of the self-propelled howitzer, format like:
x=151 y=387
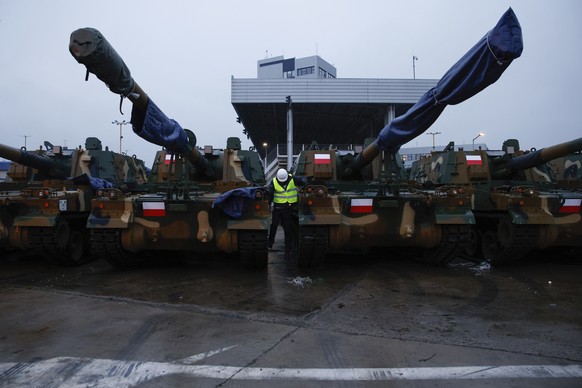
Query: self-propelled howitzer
x=516 y=203
x=176 y=211
x=376 y=208
x=187 y=207
x=45 y=208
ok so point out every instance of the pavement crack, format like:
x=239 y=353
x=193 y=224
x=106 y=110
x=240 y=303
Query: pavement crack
x=256 y=359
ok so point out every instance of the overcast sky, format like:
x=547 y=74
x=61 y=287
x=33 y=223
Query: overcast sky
x=183 y=54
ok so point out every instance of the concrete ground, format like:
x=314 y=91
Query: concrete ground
x=360 y=320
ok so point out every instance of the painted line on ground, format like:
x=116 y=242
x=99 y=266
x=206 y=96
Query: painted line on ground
x=115 y=373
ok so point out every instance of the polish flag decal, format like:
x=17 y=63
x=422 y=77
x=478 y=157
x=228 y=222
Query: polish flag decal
x=168 y=158
x=361 y=205
x=474 y=160
x=322 y=158
x=154 y=209
x=571 y=205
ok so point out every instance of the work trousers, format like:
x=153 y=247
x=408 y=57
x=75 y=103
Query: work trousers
x=288 y=216
x=275 y=221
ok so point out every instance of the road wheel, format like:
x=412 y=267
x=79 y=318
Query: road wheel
x=508 y=242
x=454 y=239
x=252 y=249
x=312 y=247
x=489 y=245
x=106 y=243
x=473 y=248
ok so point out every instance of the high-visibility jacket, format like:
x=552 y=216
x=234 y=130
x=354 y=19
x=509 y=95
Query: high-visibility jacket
x=282 y=195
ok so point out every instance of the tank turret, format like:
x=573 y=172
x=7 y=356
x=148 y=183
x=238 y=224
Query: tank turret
x=232 y=167
x=90 y=48
x=568 y=169
x=55 y=166
x=330 y=166
x=60 y=164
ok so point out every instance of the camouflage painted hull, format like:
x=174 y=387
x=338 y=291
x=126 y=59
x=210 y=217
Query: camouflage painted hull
x=518 y=205
x=126 y=227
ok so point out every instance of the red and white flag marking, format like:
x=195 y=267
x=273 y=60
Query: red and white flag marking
x=361 y=205
x=571 y=205
x=322 y=158
x=154 y=209
x=474 y=160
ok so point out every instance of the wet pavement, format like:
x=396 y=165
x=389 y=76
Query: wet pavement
x=360 y=320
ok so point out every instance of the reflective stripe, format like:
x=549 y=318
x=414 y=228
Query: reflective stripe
x=285 y=196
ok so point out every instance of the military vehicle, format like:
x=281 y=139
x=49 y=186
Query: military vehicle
x=484 y=64
x=376 y=207
x=47 y=206
x=436 y=220
x=516 y=205
x=199 y=200
x=567 y=172
x=176 y=213
x=18 y=177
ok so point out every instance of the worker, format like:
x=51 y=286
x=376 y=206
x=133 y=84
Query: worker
x=284 y=193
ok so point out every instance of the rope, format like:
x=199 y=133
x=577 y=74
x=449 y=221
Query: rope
x=499 y=61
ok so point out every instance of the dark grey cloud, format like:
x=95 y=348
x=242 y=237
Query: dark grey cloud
x=184 y=53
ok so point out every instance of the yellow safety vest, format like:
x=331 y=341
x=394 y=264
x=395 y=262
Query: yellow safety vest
x=283 y=196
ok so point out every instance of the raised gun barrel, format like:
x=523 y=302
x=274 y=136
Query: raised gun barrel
x=504 y=167
x=50 y=167
x=480 y=67
x=90 y=48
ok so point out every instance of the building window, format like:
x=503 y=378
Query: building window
x=288 y=74
x=322 y=73
x=305 y=71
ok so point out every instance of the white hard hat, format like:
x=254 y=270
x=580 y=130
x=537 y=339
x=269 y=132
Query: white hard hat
x=282 y=175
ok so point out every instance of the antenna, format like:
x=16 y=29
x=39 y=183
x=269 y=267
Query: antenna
x=25 y=137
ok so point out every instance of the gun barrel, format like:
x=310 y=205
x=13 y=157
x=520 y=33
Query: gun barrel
x=30 y=159
x=559 y=150
x=364 y=158
x=480 y=67
x=90 y=48
x=545 y=155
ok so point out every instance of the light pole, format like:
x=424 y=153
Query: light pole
x=121 y=124
x=433 y=135
x=25 y=137
x=265 y=144
x=414 y=59
x=476 y=137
